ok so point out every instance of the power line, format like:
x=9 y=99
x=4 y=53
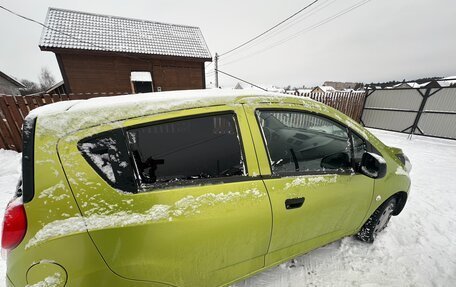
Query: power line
x=303 y=31
x=290 y=24
x=270 y=29
x=330 y=19
x=234 y=77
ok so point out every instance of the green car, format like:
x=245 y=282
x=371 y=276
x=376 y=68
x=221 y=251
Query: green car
x=191 y=188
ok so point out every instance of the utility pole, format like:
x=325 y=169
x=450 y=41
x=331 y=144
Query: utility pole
x=216 y=70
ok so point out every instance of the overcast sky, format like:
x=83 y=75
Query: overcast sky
x=379 y=41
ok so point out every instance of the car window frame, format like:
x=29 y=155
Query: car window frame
x=142 y=187
x=349 y=171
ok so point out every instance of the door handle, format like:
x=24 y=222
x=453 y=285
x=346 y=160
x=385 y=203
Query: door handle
x=294 y=203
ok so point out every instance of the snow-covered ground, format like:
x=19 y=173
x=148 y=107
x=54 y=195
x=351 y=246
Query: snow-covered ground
x=417 y=249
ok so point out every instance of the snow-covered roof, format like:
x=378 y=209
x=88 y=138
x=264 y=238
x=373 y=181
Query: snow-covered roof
x=304 y=91
x=12 y=80
x=413 y=85
x=448 y=81
x=275 y=89
x=325 y=89
x=174 y=100
x=56 y=85
x=86 y=31
x=416 y=85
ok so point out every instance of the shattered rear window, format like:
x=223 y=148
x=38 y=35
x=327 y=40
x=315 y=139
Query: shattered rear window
x=107 y=153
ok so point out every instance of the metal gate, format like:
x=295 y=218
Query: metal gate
x=426 y=111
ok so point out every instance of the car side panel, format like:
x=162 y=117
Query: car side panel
x=203 y=235
x=334 y=204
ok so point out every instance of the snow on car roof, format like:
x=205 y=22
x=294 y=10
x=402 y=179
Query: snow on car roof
x=53 y=108
x=62 y=118
x=176 y=99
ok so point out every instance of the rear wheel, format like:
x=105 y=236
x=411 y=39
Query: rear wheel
x=378 y=221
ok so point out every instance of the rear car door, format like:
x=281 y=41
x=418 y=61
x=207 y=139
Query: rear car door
x=307 y=162
x=171 y=198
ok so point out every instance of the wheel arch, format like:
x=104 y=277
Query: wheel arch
x=401 y=198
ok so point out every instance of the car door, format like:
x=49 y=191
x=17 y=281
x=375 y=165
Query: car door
x=171 y=198
x=307 y=163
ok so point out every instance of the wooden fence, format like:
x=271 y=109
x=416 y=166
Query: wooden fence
x=349 y=103
x=13 y=110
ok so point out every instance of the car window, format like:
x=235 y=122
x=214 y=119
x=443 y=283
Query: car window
x=107 y=153
x=301 y=142
x=187 y=150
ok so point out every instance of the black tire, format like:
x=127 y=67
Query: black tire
x=378 y=221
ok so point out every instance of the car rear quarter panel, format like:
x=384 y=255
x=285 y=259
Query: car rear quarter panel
x=50 y=236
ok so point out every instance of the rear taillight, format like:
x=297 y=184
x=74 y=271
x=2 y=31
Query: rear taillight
x=14 y=225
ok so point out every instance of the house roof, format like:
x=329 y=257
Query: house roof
x=94 y=32
x=448 y=81
x=325 y=89
x=304 y=91
x=53 y=87
x=238 y=86
x=413 y=85
x=12 y=80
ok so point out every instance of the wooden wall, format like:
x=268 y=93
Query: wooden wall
x=84 y=73
x=6 y=87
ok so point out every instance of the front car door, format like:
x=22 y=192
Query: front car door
x=308 y=165
x=171 y=198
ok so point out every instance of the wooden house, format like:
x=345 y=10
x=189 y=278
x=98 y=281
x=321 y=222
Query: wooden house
x=9 y=86
x=99 y=53
x=57 y=89
x=323 y=89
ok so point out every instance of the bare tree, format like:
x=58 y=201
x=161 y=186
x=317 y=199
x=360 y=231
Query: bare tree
x=46 y=79
x=30 y=87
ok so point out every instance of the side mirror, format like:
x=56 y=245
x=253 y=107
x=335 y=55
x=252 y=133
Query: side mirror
x=373 y=165
x=336 y=161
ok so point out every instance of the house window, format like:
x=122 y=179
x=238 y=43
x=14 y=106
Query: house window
x=141 y=82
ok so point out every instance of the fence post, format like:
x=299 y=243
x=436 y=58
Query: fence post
x=366 y=94
x=426 y=96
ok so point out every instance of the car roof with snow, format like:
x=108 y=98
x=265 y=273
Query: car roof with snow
x=152 y=103
x=77 y=114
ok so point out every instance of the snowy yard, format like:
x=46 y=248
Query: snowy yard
x=417 y=249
